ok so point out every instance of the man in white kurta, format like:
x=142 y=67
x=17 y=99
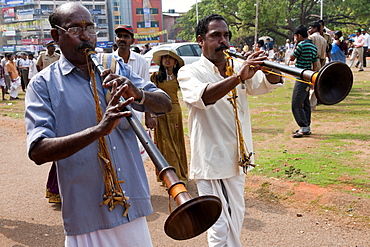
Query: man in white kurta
x=213 y=133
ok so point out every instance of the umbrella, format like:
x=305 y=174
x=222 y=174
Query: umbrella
x=264 y=38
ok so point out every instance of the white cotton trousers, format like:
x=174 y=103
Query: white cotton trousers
x=134 y=233
x=226 y=231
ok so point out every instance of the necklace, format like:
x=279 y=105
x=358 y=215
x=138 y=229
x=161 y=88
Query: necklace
x=170 y=77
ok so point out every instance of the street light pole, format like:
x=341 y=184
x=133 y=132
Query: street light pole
x=322 y=7
x=256 y=27
x=196 y=9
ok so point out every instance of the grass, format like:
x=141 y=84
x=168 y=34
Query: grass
x=337 y=152
x=13 y=108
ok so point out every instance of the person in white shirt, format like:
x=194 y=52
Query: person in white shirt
x=216 y=164
x=321 y=44
x=358 y=51
x=366 y=44
x=288 y=51
x=23 y=66
x=123 y=54
x=33 y=68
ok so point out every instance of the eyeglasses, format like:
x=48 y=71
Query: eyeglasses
x=92 y=30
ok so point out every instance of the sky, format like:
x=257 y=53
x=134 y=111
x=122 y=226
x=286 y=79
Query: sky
x=178 y=5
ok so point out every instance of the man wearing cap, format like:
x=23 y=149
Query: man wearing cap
x=47 y=57
x=358 y=50
x=123 y=55
x=124 y=39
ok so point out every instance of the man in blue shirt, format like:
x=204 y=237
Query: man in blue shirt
x=72 y=121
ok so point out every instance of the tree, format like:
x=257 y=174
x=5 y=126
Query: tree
x=278 y=18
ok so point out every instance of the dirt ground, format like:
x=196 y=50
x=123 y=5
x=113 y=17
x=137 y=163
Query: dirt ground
x=27 y=219
x=278 y=213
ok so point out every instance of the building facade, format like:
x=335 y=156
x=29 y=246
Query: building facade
x=25 y=25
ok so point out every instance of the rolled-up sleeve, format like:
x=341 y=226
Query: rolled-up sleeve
x=143 y=84
x=39 y=117
x=192 y=88
x=259 y=84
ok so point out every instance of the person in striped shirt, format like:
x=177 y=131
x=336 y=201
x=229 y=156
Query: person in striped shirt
x=305 y=54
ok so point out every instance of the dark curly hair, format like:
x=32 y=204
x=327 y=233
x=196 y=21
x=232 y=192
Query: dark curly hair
x=202 y=27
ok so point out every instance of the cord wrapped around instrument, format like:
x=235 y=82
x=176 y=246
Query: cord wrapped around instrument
x=193 y=216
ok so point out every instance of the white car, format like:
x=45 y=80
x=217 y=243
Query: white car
x=189 y=52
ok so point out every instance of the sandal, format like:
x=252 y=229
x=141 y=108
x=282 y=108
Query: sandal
x=297 y=135
x=307 y=133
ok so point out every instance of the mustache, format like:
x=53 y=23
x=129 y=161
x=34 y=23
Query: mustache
x=222 y=47
x=85 y=45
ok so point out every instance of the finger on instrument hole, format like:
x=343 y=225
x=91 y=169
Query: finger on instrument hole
x=117 y=108
x=105 y=73
x=114 y=87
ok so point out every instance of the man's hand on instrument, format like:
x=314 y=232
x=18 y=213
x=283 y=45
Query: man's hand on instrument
x=251 y=65
x=132 y=90
x=150 y=122
x=113 y=112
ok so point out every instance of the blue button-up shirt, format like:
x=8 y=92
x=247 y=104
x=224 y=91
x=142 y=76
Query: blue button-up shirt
x=60 y=102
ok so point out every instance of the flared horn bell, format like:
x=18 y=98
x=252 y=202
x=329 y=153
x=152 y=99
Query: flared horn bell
x=333 y=83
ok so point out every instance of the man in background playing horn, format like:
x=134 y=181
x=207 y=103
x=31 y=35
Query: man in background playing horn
x=68 y=117
x=215 y=155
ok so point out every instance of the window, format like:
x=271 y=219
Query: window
x=141 y=24
x=198 y=50
x=185 y=50
x=153 y=11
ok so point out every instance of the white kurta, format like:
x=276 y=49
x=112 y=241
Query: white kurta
x=214 y=144
x=213 y=133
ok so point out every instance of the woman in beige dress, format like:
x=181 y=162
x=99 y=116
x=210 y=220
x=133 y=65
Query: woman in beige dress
x=168 y=128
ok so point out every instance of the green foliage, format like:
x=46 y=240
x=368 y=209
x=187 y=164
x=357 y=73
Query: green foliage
x=278 y=18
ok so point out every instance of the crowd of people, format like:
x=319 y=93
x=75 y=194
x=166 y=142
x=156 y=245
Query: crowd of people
x=338 y=47
x=97 y=170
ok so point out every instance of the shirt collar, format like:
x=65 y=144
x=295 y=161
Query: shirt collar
x=208 y=64
x=65 y=65
x=131 y=57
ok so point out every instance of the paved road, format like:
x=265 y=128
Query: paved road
x=26 y=219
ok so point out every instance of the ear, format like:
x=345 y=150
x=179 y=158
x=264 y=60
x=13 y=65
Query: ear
x=200 y=40
x=55 y=35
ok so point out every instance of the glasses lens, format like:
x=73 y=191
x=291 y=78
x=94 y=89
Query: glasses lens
x=93 y=30
x=74 y=30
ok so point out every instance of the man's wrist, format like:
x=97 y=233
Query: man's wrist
x=141 y=101
x=240 y=79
